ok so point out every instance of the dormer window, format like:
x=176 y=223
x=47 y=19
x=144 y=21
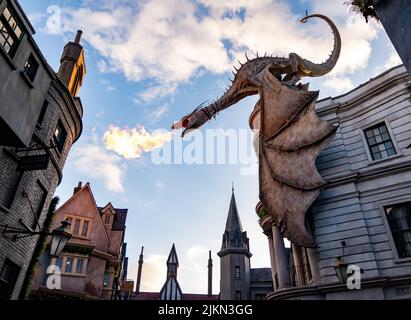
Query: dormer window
x=107 y=220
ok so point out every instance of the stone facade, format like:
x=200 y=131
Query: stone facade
x=362 y=216
x=25 y=194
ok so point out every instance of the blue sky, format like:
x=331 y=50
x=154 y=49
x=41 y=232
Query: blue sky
x=151 y=62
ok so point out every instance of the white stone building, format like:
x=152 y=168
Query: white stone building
x=363 y=216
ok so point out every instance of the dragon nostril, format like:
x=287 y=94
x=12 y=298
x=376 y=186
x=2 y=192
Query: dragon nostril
x=185 y=123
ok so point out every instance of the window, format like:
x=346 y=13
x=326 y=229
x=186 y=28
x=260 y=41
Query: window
x=60 y=136
x=31 y=67
x=77 y=81
x=41 y=194
x=379 y=142
x=238 y=295
x=80 y=227
x=76 y=229
x=69 y=265
x=43 y=112
x=80 y=264
x=59 y=262
x=10 y=32
x=107 y=219
x=399 y=220
x=107 y=280
x=8 y=277
x=237 y=273
x=84 y=231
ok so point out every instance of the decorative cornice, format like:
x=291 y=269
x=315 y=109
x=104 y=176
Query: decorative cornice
x=323 y=289
x=371 y=89
x=227 y=251
x=369 y=174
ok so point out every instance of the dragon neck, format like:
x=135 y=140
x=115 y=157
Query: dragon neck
x=254 y=66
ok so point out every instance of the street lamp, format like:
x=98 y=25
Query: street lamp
x=341 y=267
x=59 y=239
x=59 y=236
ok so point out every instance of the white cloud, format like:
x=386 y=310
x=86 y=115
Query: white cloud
x=160 y=185
x=95 y=162
x=158 y=113
x=339 y=85
x=108 y=86
x=154 y=273
x=392 y=61
x=172 y=42
x=157 y=92
x=36 y=17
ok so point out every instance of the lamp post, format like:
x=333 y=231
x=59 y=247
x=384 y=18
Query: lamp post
x=341 y=267
x=59 y=236
x=59 y=239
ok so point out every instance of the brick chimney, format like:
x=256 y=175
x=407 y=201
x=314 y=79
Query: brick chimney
x=78 y=188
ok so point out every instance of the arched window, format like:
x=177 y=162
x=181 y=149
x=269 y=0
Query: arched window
x=77 y=81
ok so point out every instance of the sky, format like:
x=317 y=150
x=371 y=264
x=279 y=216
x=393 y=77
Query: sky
x=150 y=62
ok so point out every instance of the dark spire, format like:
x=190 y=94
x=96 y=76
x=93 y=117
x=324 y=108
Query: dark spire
x=172 y=262
x=171 y=289
x=233 y=219
x=234 y=237
x=210 y=274
x=140 y=269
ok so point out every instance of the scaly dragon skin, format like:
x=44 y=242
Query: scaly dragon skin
x=245 y=82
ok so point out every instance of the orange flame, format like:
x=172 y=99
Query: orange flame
x=131 y=143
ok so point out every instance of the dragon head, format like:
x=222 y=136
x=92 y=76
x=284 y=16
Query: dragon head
x=241 y=87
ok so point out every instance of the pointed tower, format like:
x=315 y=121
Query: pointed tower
x=140 y=270
x=171 y=289
x=234 y=258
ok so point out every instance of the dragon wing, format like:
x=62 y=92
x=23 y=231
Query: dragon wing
x=291 y=138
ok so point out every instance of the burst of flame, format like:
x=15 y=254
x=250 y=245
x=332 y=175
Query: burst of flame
x=131 y=143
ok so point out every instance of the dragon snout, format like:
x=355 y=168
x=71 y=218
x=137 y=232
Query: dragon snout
x=183 y=123
x=187 y=123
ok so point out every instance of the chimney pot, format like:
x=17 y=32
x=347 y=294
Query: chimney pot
x=78 y=36
x=78 y=188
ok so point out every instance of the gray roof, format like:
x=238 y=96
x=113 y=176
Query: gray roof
x=119 y=223
x=234 y=238
x=233 y=219
x=260 y=275
x=172 y=258
x=120 y=217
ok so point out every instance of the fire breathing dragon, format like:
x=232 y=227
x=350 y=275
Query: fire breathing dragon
x=291 y=135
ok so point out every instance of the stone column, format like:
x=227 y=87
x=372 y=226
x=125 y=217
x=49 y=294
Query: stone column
x=299 y=272
x=281 y=259
x=315 y=270
x=272 y=260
